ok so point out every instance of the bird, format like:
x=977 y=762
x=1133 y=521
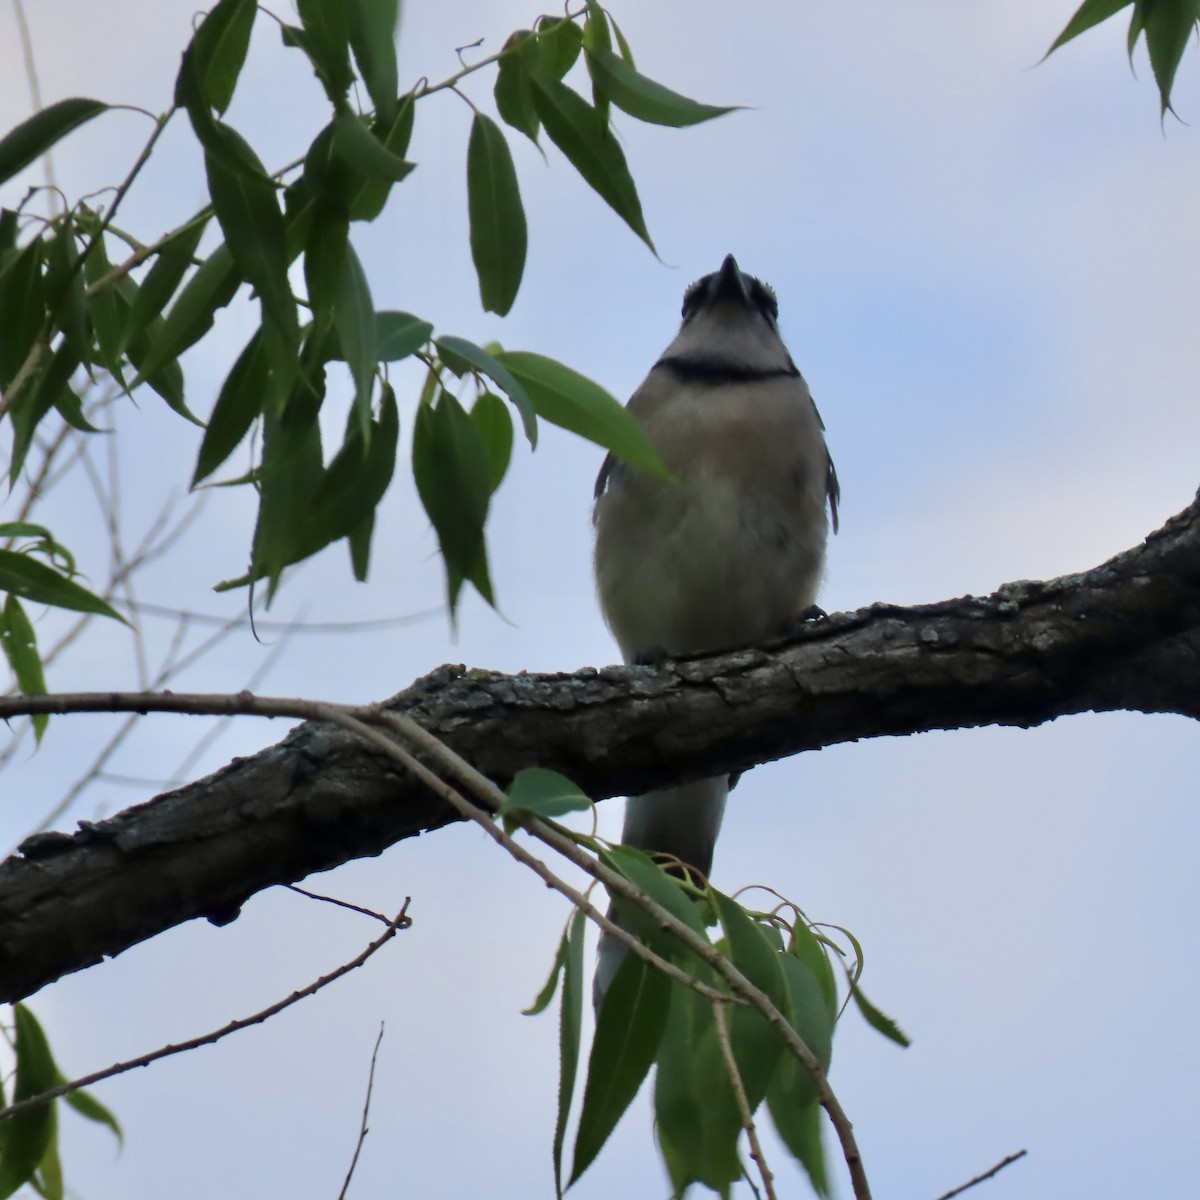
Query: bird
x=730 y=550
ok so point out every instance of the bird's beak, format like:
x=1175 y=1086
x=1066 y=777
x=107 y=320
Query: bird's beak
x=729 y=282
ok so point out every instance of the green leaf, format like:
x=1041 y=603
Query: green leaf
x=582 y=134
x=354 y=320
x=878 y=1021
x=325 y=247
x=542 y=793
x=1088 y=14
x=360 y=149
x=104 y=312
x=798 y=1123
x=542 y=1000
x=808 y=949
x=643 y=98
x=399 y=334
x=191 y=316
x=491 y=419
x=372 y=31
x=22 y=308
x=86 y=1105
x=757 y=1047
x=239 y=404
x=596 y=36
x=367 y=196
x=23 y=576
x=696 y=1114
x=569 y=1022
x=459 y=354
x=450 y=466
x=327 y=44
x=20 y=648
x=48 y=1178
x=28 y=1135
x=33 y=137
x=622 y=44
x=498 y=233
x=359 y=541
x=167 y=379
x=161 y=281
x=1168 y=27
x=251 y=219
x=213 y=60
x=629 y=1027
x=513 y=94
x=567 y=399
x=558 y=44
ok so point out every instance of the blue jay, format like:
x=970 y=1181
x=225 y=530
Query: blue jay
x=733 y=550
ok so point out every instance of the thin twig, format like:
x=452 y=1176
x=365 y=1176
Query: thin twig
x=743 y=1102
x=402 y=921
x=362 y=1129
x=366 y=912
x=1004 y=1162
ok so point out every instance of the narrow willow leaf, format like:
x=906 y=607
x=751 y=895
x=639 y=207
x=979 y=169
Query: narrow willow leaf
x=239 y=404
x=213 y=60
x=191 y=316
x=164 y=277
x=48 y=1178
x=559 y=41
x=622 y=43
x=250 y=217
x=359 y=148
x=22 y=308
x=1088 y=14
x=354 y=320
x=372 y=31
x=167 y=379
x=879 y=1021
x=359 y=541
x=798 y=1123
x=542 y=1000
x=458 y=354
x=399 y=334
x=643 y=98
x=20 y=146
x=596 y=36
x=567 y=399
x=23 y=576
x=66 y=298
x=20 y=648
x=629 y=1027
x=490 y=417
x=513 y=94
x=569 y=1023
x=368 y=196
x=539 y=792
x=498 y=233
x=450 y=466
x=327 y=44
x=324 y=267
x=86 y=1105
x=1168 y=28
x=28 y=1135
x=581 y=133
x=806 y=947
x=696 y=1114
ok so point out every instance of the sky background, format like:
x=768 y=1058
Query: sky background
x=987 y=272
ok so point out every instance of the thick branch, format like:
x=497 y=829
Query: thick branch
x=1125 y=635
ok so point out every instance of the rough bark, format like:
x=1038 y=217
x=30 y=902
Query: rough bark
x=1125 y=635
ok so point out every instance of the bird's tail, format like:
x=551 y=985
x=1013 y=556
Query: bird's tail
x=681 y=821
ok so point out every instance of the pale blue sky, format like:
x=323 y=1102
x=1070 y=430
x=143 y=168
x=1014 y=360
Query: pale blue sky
x=987 y=271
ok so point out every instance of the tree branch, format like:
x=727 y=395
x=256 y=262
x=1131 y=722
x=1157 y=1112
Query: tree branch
x=1125 y=635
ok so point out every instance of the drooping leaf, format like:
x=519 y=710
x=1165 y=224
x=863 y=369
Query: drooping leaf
x=879 y=1021
x=239 y=404
x=1088 y=14
x=806 y=947
x=582 y=134
x=86 y=1105
x=513 y=94
x=629 y=1027
x=327 y=44
x=47 y=1180
x=542 y=1000
x=644 y=99
x=213 y=60
x=596 y=36
x=166 y=379
x=399 y=334
x=498 y=233
x=21 y=575
x=368 y=196
x=798 y=1123
x=104 y=312
x=22 y=308
x=569 y=1023
x=491 y=419
x=567 y=399
x=354 y=320
x=1168 y=27
x=361 y=150
x=459 y=354
x=371 y=25
x=539 y=792
x=25 y=1138
x=250 y=217
x=20 y=648
x=559 y=41
x=33 y=137
x=162 y=280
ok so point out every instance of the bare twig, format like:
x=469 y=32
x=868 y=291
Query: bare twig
x=401 y=921
x=362 y=1129
x=1004 y=1162
x=743 y=1102
x=366 y=912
